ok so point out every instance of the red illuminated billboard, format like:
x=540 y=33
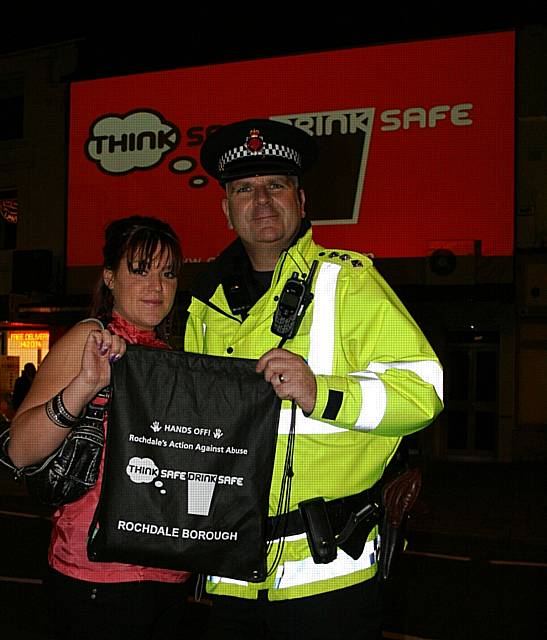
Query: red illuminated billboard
x=416 y=142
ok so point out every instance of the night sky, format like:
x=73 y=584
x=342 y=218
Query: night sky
x=191 y=37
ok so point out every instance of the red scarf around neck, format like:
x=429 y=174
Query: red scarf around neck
x=132 y=334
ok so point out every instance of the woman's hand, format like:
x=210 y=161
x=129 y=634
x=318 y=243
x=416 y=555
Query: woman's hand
x=101 y=349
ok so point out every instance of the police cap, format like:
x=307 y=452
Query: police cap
x=256 y=148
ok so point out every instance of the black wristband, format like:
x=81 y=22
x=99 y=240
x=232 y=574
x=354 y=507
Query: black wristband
x=59 y=414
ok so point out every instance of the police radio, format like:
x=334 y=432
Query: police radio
x=293 y=302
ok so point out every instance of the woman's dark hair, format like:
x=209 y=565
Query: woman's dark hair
x=136 y=237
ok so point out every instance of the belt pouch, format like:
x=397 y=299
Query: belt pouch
x=318 y=530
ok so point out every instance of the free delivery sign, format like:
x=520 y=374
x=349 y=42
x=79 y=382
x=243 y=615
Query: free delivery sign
x=416 y=146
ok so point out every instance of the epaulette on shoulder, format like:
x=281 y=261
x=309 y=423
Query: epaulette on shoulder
x=350 y=259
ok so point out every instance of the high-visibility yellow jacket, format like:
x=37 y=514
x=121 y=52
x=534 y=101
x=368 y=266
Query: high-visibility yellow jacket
x=378 y=379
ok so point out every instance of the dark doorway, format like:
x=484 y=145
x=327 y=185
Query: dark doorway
x=471 y=402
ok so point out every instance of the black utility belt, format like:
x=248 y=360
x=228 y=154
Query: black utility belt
x=344 y=522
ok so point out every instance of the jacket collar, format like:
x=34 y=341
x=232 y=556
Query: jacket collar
x=234 y=261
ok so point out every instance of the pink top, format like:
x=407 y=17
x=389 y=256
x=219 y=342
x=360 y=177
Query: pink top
x=68 y=546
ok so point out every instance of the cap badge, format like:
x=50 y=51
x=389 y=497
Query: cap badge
x=254 y=142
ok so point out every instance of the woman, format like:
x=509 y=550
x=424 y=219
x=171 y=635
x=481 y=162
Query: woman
x=135 y=294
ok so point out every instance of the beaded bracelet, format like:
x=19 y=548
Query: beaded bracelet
x=59 y=414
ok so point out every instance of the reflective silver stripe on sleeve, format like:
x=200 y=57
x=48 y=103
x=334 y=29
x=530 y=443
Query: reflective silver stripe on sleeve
x=321 y=353
x=373 y=401
x=429 y=371
x=374 y=395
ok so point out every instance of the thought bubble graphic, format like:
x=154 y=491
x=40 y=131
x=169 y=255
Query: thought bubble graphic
x=120 y=144
x=142 y=470
x=185 y=165
x=159 y=485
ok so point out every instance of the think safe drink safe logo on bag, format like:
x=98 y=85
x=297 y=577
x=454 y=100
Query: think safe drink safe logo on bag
x=188 y=465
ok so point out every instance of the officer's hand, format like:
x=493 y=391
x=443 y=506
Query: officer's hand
x=290 y=377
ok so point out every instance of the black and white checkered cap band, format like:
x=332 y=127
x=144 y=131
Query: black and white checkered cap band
x=268 y=149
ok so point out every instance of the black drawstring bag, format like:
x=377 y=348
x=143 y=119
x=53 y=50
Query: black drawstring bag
x=189 y=457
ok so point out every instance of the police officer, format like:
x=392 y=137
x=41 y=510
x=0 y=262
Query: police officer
x=359 y=371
